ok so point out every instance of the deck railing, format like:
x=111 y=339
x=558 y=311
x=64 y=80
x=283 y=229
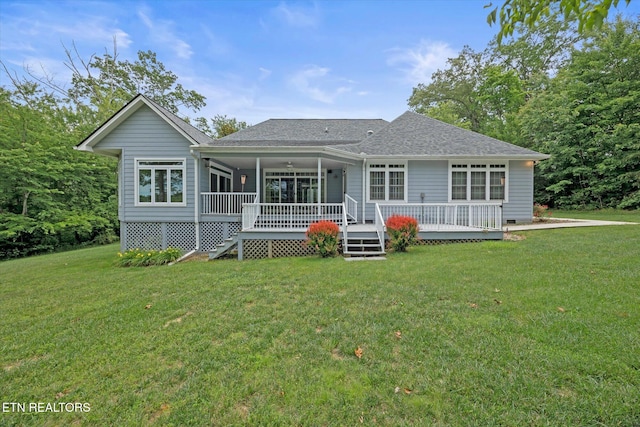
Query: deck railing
x=289 y=215
x=351 y=206
x=224 y=203
x=436 y=216
x=380 y=225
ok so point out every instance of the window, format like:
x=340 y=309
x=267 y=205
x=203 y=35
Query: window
x=478 y=182
x=160 y=182
x=219 y=180
x=386 y=182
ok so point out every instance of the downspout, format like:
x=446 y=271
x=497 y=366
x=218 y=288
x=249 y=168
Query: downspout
x=364 y=192
x=196 y=204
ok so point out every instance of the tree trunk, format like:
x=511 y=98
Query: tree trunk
x=24 y=203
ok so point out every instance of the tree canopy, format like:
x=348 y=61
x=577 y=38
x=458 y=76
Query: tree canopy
x=589 y=14
x=575 y=96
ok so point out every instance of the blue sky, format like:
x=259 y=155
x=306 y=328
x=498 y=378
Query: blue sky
x=255 y=60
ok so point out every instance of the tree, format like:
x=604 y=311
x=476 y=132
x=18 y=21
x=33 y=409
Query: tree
x=483 y=91
x=588 y=120
x=220 y=126
x=588 y=13
x=101 y=85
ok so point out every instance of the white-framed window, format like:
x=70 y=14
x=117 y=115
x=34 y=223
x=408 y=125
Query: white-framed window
x=386 y=182
x=473 y=181
x=220 y=179
x=160 y=182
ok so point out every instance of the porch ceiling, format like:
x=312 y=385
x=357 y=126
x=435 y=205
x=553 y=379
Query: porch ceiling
x=276 y=162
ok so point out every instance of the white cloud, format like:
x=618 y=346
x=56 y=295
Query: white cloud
x=418 y=63
x=297 y=15
x=264 y=73
x=161 y=31
x=308 y=81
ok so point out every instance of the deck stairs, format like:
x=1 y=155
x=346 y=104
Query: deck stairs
x=225 y=247
x=362 y=243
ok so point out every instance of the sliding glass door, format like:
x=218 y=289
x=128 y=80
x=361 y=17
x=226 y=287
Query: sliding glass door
x=293 y=186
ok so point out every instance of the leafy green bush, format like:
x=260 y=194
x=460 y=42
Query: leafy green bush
x=323 y=237
x=403 y=232
x=146 y=257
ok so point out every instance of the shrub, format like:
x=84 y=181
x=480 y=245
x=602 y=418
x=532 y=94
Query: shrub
x=323 y=237
x=146 y=257
x=403 y=232
x=541 y=212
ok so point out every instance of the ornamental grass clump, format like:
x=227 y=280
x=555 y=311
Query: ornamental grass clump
x=323 y=237
x=147 y=257
x=403 y=232
x=541 y=212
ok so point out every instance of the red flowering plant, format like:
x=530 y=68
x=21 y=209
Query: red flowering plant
x=541 y=212
x=403 y=232
x=323 y=237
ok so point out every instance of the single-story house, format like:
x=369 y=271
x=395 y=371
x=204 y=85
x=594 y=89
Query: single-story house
x=260 y=188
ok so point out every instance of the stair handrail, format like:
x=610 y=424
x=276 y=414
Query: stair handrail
x=380 y=226
x=351 y=205
x=345 y=224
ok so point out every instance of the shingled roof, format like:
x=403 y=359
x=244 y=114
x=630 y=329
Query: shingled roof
x=302 y=132
x=414 y=134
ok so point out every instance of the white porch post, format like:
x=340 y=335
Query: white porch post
x=364 y=191
x=319 y=184
x=258 y=179
x=196 y=204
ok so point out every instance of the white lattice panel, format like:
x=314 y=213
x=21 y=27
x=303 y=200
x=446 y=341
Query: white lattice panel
x=143 y=235
x=211 y=234
x=257 y=249
x=180 y=235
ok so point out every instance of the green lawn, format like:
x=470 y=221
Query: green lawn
x=542 y=331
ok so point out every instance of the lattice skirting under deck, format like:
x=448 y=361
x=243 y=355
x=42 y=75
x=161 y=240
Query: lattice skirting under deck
x=257 y=249
x=182 y=235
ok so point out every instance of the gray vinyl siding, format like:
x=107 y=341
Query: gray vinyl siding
x=520 y=204
x=428 y=177
x=145 y=135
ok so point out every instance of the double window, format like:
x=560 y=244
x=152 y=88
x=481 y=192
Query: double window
x=160 y=182
x=387 y=182
x=478 y=182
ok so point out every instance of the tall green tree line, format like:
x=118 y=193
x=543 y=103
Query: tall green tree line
x=573 y=95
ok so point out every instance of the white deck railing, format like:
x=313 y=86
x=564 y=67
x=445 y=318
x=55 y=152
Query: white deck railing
x=380 y=225
x=224 y=203
x=444 y=216
x=351 y=206
x=289 y=215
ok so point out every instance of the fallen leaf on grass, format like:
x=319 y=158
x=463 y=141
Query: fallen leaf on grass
x=147 y=307
x=63 y=393
x=398 y=334
x=561 y=310
x=396 y=390
x=473 y=305
x=496 y=290
x=407 y=391
x=497 y=301
x=358 y=352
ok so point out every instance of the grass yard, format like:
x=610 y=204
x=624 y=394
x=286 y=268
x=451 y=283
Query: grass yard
x=542 y=331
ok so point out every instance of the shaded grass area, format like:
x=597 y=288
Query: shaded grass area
x=602 y=214
x=543 y=331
